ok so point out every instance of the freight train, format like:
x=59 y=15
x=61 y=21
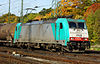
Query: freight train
x=59 y=34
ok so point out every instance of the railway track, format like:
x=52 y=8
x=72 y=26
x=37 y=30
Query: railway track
x=88 y=57
x=8 y=59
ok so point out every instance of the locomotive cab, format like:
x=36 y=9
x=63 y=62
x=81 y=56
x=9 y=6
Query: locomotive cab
x=78 y=35
x=73 y=32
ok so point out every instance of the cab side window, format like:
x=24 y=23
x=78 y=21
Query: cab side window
x=61 y=26
x=16 y=28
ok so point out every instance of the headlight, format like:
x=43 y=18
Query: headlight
x=85 y=39
x=72 y=38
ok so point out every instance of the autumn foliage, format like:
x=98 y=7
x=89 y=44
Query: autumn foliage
x=92 y=8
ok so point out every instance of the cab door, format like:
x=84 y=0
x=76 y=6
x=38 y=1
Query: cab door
x=60 y=31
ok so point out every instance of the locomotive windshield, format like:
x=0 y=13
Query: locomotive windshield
x=72 y=25
x=79 y=25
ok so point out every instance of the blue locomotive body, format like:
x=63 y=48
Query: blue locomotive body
x=69 y=33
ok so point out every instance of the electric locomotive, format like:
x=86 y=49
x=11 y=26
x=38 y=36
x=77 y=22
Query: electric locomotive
x=70 y=34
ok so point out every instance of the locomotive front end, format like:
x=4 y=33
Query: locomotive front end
x=78 y=35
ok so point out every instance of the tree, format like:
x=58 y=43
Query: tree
x=97 y=1
x=92 y=8
x=93 y=24
x=92 y=15
x=72 y=7
x=13 y=18
x=30 y=16
x=45 y=11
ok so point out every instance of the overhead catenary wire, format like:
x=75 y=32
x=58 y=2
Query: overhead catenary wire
x=4 y=3
x=2 y=13
x=5 y=6
x=15 y=6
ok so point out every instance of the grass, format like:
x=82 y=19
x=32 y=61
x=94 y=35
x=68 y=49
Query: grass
x=95 y=46
x=96 y=49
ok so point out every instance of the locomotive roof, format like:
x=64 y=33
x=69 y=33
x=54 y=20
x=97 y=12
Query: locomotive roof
x=37 y=22
x=76 y=20
x=53 y=21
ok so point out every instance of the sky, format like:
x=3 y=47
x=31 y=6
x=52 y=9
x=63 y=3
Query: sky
x=16 y=6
